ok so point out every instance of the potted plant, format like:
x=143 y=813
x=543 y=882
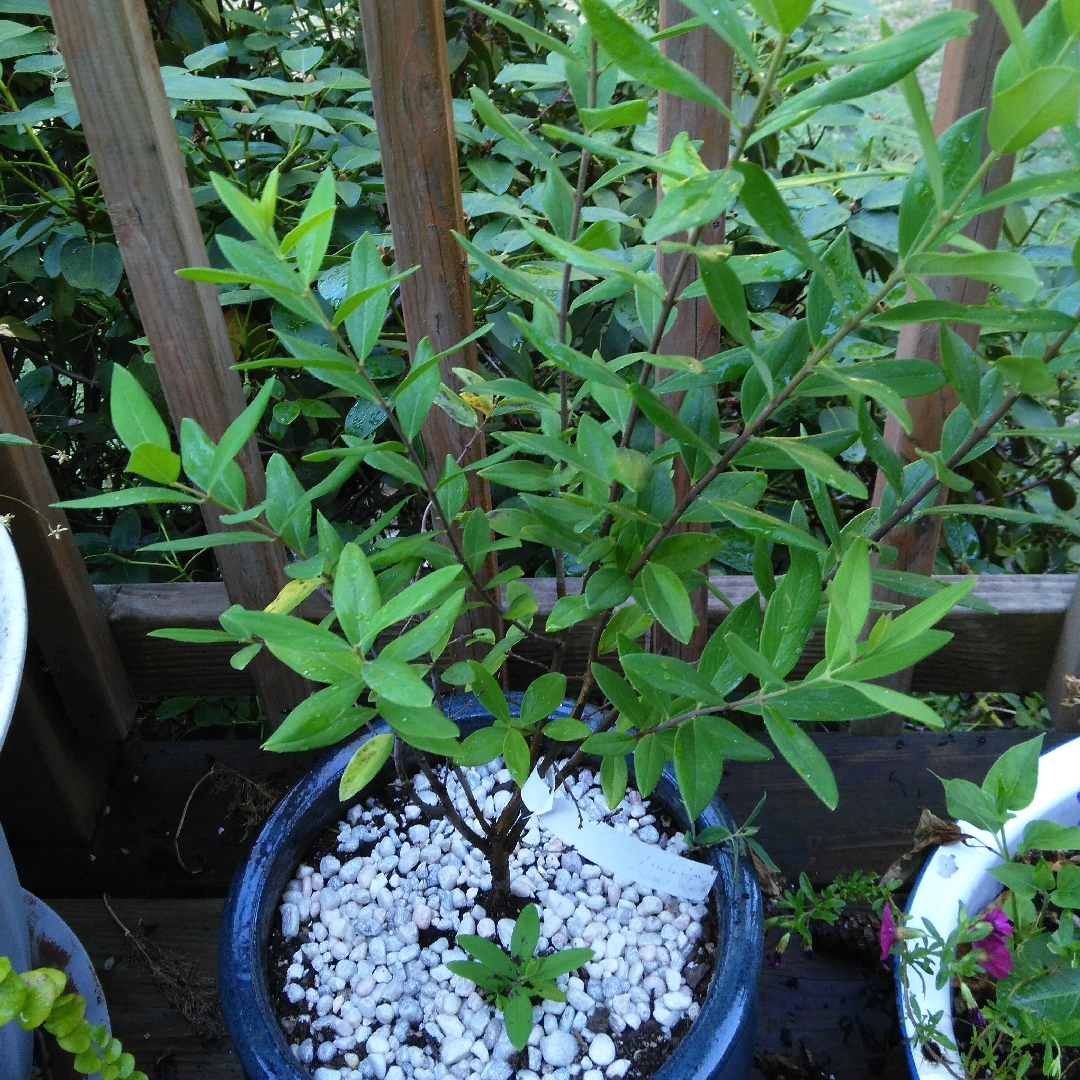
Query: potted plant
x=985 y=956
x=597 y=464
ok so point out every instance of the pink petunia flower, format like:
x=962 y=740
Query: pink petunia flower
x=996 y=960
x=890 y=932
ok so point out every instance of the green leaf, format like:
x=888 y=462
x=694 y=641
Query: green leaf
x=567 y=611
x=619 y=693
x=312 y=234
x=516 y=755
x=356 y=592
x=12 y=992
x=417 y=597
x=643 y=60
x=527 y=31
x=310 y=650
x=1049 y=836
x=43 y=987
x=365 y=321
x=562 y=963
x=651 y=754
x=783 y=15
x=668 y=601
x=625 y=114
x=672 y=675
x=849 y=604
x=961 y=367
x=135 y=496
x=543 y=697
x=699 y=764
x=725 y=295
x=803 y=756
x=431 y=636
x=1012 y=779
x=689 y=203
x=759 y=522
x=760 y=196
x=155 y=462
x=1067 y=893
x=480 y=747
x=819 y=464
x=659 y=414
x=791 y=611
x=417 y=392
x=1005 y=269
x=489 y=954
x=250 y=214
x=967 y=802
x=526 y=933
x=1027 y=373
x=894 y=701
x=567 y=730
x=239 y=431
x=1047 y=97
x=607 y=588
x=751 y=660
x=134 y=417
x=518 y=1018
x=365 y=765
x=321 y=720
x=609 y=743
x=210 y=540
x=94 y=266
x=613 y=779
x=397 y=682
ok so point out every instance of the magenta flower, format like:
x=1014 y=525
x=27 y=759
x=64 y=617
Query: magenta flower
x=890 y=932
x=996 y=960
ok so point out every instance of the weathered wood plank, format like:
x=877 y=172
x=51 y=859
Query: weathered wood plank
x=1009 y=651
x=66 y=621
x=696 y=331
x=405 y=46
x=109 y=54
x=142 y=1018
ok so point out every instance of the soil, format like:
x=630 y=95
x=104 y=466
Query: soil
x=647 y=1048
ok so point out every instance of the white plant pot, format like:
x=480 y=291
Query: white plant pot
x=960 y=873
x=31 y=933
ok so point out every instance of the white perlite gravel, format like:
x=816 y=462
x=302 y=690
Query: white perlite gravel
x=366 y=993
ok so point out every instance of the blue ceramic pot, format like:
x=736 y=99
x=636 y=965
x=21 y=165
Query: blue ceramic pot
x=719 y=1045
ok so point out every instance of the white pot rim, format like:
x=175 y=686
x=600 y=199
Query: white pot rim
x=961 y=872
x=12 y=630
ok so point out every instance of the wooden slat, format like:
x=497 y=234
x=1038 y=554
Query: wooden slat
x=966 y=85
x=696 y=331
x=142 y=1018
x=109 y=55
x=66 y=622
x=405 y=46
x=1009 y=651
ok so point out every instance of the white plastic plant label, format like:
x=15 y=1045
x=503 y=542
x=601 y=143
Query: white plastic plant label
x=616 y=852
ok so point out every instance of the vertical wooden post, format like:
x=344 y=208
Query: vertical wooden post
x=75 y=703
x=109 y=55
x=66 y=622
x=405 y=45
x=695 y=332
x=967 y=76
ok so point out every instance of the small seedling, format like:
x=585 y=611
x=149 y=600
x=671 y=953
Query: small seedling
x=515 y=980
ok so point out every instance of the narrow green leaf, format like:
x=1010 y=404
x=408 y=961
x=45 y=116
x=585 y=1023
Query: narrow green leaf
x=365 y=765
x=803 y=756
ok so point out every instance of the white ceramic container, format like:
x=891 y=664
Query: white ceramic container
x=960 y=873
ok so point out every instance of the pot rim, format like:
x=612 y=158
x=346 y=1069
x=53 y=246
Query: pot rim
x=724 y=1027
x=962 y=872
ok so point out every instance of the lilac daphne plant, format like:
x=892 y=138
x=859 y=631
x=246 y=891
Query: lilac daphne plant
x=621 y=466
